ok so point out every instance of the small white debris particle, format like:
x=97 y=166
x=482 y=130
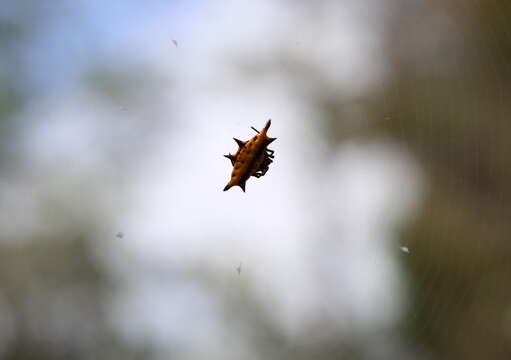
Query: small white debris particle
x=405 y=249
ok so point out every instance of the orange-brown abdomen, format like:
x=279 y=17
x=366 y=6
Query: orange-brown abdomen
x=252 y=158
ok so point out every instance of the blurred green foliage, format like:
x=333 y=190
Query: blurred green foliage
x=457 y=123
x=53 y=291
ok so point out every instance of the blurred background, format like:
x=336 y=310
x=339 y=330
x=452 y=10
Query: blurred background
x=381 y=231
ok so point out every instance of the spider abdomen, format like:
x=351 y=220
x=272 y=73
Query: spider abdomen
x=252 y=158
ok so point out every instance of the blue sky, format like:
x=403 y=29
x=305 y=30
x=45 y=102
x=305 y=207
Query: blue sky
x=69 y=36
